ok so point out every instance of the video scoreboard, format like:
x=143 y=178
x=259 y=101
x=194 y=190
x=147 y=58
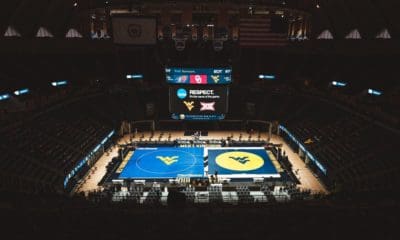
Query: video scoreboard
x=198 y=93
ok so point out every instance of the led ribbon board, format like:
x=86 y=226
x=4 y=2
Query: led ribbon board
x=198 y=76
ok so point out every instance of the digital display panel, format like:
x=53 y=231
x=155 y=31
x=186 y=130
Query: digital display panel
x=198 y=76
x=198 y=117
x=198 y=99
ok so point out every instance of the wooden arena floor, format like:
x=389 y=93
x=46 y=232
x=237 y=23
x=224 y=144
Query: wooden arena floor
x=307 y=179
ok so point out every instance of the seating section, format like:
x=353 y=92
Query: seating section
x=268 y=192
x=358 y=154
x=215 y=193
x=154 y=196
x=37 y=155
x=136 y=192
x=190 y=194
x=244 y=196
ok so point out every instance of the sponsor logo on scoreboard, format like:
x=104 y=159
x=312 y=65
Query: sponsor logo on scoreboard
x=198 y=79
x=210 y=106
x=202 y=117
x=203 y=94
x=215 y=78
x=181 y=93
x=189 y=105
x=181 y=79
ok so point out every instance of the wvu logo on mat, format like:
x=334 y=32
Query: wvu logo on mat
x=168 y=160
x=239 y=161
x=242 y=160
x=189 y=105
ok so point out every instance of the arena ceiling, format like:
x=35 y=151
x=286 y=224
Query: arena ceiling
x=339 y=16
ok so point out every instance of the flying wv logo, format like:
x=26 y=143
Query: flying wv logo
x=215 y=78
x=168 y=160
x=242 y=160
x=189 y=105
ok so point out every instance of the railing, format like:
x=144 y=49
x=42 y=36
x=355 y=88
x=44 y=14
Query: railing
x=206 y=197
x=85 y=160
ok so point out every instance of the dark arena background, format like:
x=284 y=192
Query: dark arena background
x=269 y=119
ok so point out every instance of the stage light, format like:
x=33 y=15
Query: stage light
x=75 y=4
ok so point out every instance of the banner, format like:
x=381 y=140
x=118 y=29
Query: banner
x=134 y=30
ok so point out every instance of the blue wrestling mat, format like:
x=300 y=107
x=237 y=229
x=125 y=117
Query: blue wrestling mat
x=164 y=162
x=240 y=163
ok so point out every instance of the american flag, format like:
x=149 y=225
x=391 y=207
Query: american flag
x=257 y=32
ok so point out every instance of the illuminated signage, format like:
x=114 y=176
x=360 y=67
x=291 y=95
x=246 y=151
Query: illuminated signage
x=21 y=92
x=374 y=92
x=265 y=76
x=134 y=76
x=86 y=159
x=307 y=153
x=4 y=97
x=60 y=83
x=195 y=76
x=339 y=84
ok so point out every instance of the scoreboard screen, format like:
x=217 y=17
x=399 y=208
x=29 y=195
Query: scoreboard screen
x=198 y=76
x=198 y=93
x=193 y=99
